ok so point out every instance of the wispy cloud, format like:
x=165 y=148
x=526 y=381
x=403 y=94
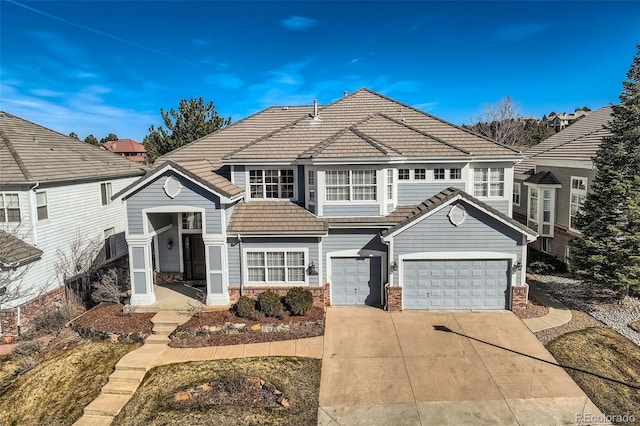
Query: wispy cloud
x=298 y=23
x=225 y=80
x=353 y=61
x=415 y=27
x=513 y=33
x=426 y=106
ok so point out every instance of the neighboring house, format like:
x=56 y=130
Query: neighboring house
x=128 y=148
x=53 y=188
x=552 y=182
x=564 y=120
x=363 y=201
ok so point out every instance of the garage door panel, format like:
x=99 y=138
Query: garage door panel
x=356 y=281
x=455 y=284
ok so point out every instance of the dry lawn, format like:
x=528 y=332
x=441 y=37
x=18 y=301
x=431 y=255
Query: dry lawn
x=56 y=391
x=297 y=378
x=603 y=351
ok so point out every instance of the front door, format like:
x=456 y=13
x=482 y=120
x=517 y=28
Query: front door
x=193 y=253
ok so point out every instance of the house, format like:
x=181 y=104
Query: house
x=365 y=201
x=128 y=148
x=564 y=120
x=53 y=190
x=552 y=182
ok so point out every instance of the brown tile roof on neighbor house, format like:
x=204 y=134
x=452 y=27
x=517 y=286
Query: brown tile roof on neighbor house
x=32 y=153
x=580 y=141
x=268 y=217
x=127 y=148
x=443 y=197
x=15 y=252
x=367 y=122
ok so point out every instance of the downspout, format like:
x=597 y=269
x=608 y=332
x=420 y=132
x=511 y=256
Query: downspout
x=241 y=267
x=34 y=213
x=386 y=286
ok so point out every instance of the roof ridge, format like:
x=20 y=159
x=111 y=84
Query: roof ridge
x=424 y=133
x=14 y=153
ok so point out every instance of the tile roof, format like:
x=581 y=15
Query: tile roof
x=543 y=178
x=268 y=217
x=443 y=197
x=281 y=133
x=30 y=153
x=14 y=251
x=396 y=216
x=123 y=146
x=579 y=141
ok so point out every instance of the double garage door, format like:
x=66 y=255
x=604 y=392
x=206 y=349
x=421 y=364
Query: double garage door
x=356 y=281
x=455 y=284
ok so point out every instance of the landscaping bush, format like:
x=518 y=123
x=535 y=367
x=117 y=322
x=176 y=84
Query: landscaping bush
x=54 y=318
x=270 y=304
x=299 y=301
x=246 y=307
x=27 y=348
x=544 y=264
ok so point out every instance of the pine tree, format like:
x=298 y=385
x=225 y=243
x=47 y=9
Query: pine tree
x=608 y=255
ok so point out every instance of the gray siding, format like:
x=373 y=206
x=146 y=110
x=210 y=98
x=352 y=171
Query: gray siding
x=524 y=197
x=563 y=195
x=351 y=210
x=153 y=195
x=351 y=239
x=234 y=253
x=239 y=176
x=478 y=233
x=169 y=258
x=500 y=205
x=415 y=193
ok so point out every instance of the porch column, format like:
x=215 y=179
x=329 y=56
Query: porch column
x=216 y=259
x=140 y=271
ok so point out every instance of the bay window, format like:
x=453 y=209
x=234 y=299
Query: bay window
x=546 y=206
x=533 y=204
x=350 y=185
x=271 y=183
x=390 y=185
x=271 y=266
x=578 y=195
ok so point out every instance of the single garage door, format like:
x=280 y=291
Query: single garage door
x=455 y=284
x=356 y=281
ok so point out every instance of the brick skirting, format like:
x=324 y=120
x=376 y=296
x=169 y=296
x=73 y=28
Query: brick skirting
x=394 y=298
x=320 y=294
x=30 y=310
x=519 y=296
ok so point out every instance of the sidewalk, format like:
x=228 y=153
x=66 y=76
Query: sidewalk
x=558 y=313
x=131 y=369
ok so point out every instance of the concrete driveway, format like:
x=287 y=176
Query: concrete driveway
x=383 y=368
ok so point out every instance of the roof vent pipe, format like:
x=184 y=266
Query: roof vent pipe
x=315 y=109
x=345 y=93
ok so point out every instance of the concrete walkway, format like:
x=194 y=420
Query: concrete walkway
x=131 y=369
x=558 y=313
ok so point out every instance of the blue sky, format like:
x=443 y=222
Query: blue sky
x=99 y=67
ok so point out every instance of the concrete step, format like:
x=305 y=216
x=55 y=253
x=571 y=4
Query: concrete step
x=124 y=376
x=157 y=339
x=117 y=387
x=131 y=368
x=106 y=405
x=164 y=329
x=94 y=421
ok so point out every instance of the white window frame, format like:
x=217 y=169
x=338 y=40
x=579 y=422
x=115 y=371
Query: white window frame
x=110 y=245
x=264 y=183
x=545 y=245
x=487 y=184
x=403 y=176
x=350 y=186
x=439 y=173
x=311 y=187
x=459 y=173
x=39 y=206
x=533 y=205
x=265 y=251
x=517 y=193
x=390 y=191
x=579 y=193
x=4 y=206
x=419 y=171
x=106 y=191
x=550 y=210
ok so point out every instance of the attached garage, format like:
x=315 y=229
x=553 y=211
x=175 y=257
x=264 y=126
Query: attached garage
x=356 y=281
x=455 y=284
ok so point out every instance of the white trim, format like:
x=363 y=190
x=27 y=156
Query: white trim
x=161 y=230
x=180 y=248
x=156 y=254
x=321 y=281
x=143 y=299
x=355 y=253
x=574 y=164
x=523 y=261
x=285 y=250
x=173 y=209
x=247 y=189
x=218 y=299
x=519 y=186
x=573 y=191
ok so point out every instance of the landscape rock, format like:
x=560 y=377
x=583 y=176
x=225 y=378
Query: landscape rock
x=182 y=396
x=284 y=402
x=256 y=327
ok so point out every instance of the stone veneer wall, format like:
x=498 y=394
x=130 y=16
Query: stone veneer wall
x=394 y=298
x=320 y=294
x=168 y=277
x=519 y=296
x=30 y=310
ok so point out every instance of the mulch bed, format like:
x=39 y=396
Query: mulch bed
x=195 y=332
x=533 y=310
x=108 y=318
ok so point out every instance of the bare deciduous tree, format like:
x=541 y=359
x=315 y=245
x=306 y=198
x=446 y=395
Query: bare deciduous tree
x=108 y=288
x=80 y=260
x=503 y=123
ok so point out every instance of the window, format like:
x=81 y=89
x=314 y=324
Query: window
x=109 y=243
x=271 y=183
x=351 y=185
x=438 y=174
x=455 y=174
x=276 y=266
x=403 y=174
x=488 y=181
x=420 y=174
x=390 y=184
x=41 y=202
x=516 y=194
x=191 y=220
x=105 y=191
x=311 y=181
x=9 y=208
x=578 y=195
x=545 y=245
x=533 y=204
x=546 y=206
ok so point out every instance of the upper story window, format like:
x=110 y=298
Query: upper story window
x=403 y=174
x=455 y=173
x=390 y=184
x=488 y=182
x=41 y=202
x=420 y=174
x=311 y=181
x=578 y=195
x=106 y=192
x=516 y=194
x=191 y=220
x=350 y=185
x=9 y=208
x=438 y=174
x=546 y=205
x=533 y=204
x=277 y=183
